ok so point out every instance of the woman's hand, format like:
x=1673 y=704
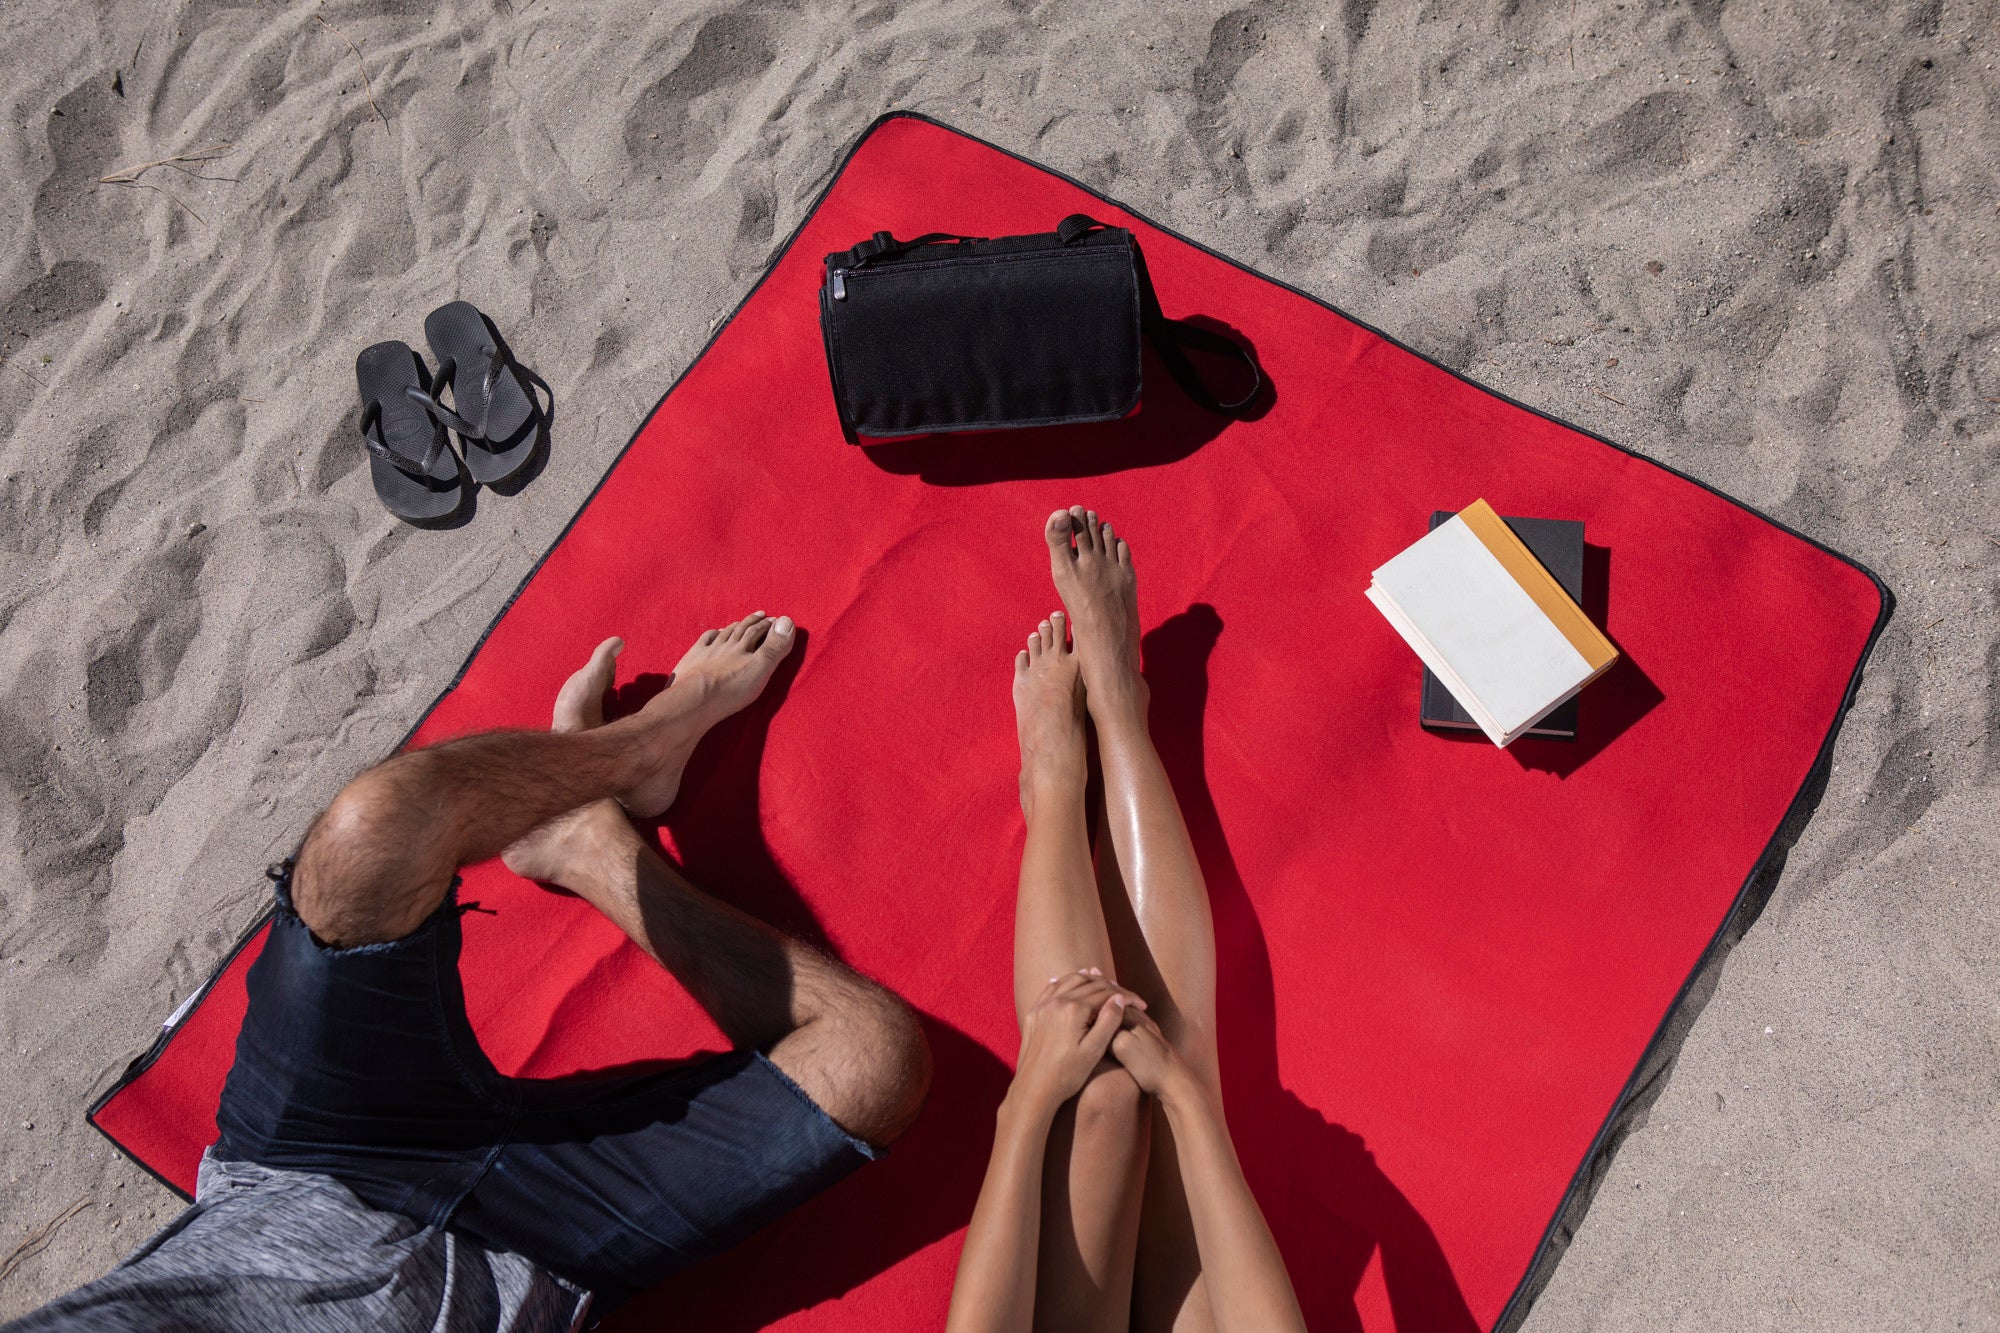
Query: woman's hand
x=1150 y=1058
x=1066 y=1034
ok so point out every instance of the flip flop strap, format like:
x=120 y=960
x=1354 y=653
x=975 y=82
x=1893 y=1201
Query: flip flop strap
x=497 y=361
x=443 y=413
x=377 y=444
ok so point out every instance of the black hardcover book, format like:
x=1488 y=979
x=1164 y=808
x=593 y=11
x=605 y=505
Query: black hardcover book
x=1558 y=544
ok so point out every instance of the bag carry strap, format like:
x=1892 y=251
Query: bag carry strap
x=1172 y=337
x=882 y=245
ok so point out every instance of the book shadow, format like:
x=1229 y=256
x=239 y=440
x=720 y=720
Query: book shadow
x=1167 y=428
x=919 y=1192
x=1330 y=1205
x=1607 y=708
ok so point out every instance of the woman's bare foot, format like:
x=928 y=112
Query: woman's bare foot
x=1094 y=575
x=1049 y=709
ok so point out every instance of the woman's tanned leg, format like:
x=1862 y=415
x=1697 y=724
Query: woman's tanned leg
x=1094 y=1170
x=1168 y=1292
x=1057 y=924
x=1155 y=900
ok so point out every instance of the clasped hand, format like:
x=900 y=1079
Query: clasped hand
x=1078 y=1020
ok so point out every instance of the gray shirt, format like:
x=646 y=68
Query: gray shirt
x=263 y=1249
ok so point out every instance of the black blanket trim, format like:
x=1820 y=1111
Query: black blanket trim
x=1661 y=1050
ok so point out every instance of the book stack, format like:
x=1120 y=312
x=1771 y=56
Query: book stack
x=1498 y=631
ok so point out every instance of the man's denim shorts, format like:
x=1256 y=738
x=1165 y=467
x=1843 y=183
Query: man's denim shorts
x=360 y=1064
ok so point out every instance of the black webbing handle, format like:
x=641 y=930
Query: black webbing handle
x=1171 y=336
x=883 y=245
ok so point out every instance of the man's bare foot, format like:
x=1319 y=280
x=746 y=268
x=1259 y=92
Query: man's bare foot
x=588 y=845
x=1048 y=709
x=565 y=847
x=722 y=674
x=725 y=670
x=1094 y=575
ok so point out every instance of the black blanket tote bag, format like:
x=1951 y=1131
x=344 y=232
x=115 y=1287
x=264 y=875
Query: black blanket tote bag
x=956 y=333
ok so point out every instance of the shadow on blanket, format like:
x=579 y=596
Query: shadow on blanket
x=923 y=1189
x=1331 y=1207
x=1328 y=1203
x=1607 y=708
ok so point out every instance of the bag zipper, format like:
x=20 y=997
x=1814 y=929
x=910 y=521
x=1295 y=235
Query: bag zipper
x=837 y=278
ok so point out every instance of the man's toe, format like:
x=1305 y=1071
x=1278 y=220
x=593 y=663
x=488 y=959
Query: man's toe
x=779 y=640
x=1080 y=525
x=1056 y=531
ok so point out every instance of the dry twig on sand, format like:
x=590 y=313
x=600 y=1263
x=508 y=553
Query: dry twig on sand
x=370 y=87
x=130 y=175
x=179 y=202
x=18 y=371
x=37 y=1238
x=1607 y=397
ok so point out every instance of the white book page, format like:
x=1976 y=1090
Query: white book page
x=1437 y=665
x=1490 y=634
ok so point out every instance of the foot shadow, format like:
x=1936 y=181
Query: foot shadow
x=923 y=1189
x=713 y=832
x=1331 y=1207
x=1168 y=427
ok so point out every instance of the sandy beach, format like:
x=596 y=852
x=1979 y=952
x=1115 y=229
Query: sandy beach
x=1753 y=241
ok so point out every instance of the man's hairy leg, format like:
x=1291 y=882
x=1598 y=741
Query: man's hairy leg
x=382 y=856
x=852 y=1046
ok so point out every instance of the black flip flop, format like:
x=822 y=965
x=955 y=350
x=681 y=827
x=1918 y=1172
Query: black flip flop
x=416 y=474
x=491 y=408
